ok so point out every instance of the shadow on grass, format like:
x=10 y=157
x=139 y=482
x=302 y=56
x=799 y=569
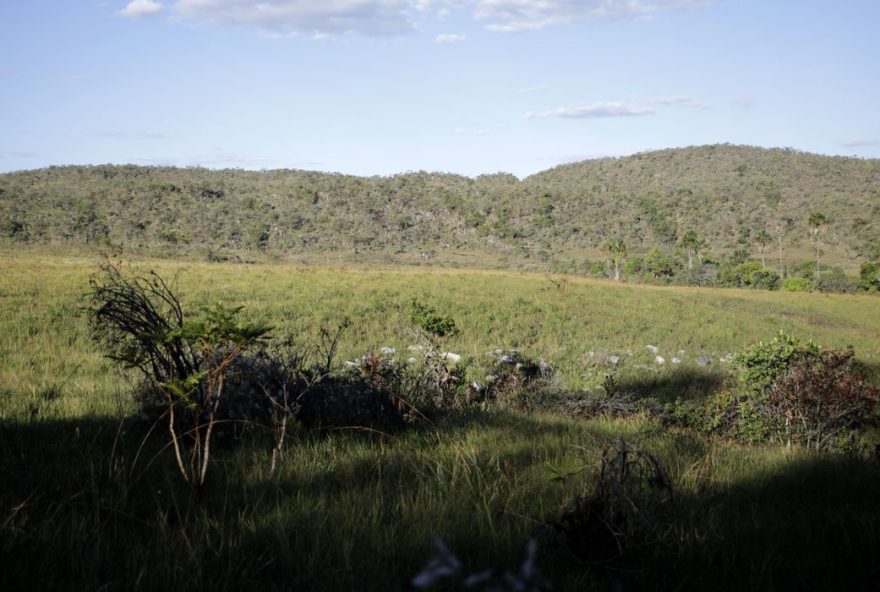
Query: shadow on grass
x=686 y=383
x=355 y=510
x=810 y=524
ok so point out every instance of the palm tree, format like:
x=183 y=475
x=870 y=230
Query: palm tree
x=691 y=243
x=763 y=239
x=617 y=249
x=817 y=220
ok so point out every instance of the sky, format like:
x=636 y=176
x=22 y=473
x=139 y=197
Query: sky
x=378 y=87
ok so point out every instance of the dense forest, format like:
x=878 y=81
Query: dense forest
x=730 y=196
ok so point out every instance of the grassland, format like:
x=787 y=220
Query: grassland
x=91 y=500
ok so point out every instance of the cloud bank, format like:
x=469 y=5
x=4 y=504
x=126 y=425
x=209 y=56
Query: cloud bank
x=382 y=18
x=593 y=111
x=450 y=38
x=860 y=143
x=140 y=8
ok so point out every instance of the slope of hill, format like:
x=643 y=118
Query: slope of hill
x=725 y=193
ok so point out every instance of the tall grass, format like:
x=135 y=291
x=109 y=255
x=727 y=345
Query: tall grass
x=48 y=361
x=90 y=497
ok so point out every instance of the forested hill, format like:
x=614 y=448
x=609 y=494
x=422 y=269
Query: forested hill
x=727 y=194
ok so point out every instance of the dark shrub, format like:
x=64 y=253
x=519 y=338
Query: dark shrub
x=796 y=394
x=624 y=506
x=819 y=399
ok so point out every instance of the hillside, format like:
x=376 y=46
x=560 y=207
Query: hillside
x=725 y=193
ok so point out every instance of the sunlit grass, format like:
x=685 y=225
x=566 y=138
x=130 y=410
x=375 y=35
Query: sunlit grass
x=84 y=506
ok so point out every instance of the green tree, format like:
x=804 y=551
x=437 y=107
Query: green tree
x=869 y=276
x=617 y=251
x=763 y=239
x=691 y=243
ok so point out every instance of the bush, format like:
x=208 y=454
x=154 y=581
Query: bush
x=141 y=322
x=413 y=390
x=819 y=399
x=797 y=284
x=624 y=506
x=516 y=382
x=837 y=282
x=750 y=274
x=869 y=277
x=793 y=393
x=430 y=321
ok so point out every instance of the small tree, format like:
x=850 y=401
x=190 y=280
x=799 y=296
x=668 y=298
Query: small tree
x=817 y=220
x=763 y=239
x=617 y=251
x=141 y=322
x=691 y=243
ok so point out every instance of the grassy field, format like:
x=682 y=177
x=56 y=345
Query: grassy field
x=90 y=498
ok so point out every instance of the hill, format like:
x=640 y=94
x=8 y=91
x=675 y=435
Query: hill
x=725 y=193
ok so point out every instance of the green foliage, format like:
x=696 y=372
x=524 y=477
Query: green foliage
x=762 y=364
x=742 y=410
x=617 y=251
x=90 y=470
x=797 y=284
x=817 y=219
x=838 y=282
x=646 y=200
x=661 y=264
x=141 y=322
x=869 y=277
x=430 y=321
x=750 y=274
x=219 y=327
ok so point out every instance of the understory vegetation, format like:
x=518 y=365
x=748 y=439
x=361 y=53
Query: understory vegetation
x=271 y=427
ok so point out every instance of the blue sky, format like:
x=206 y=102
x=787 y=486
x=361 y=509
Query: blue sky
x=467 y=86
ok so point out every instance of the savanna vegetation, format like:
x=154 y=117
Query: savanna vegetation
x=732 y=199
x=564 y=432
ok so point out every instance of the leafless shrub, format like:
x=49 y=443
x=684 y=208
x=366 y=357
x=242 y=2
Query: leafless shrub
x=623 y=506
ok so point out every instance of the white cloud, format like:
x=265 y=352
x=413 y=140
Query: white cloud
x=593 y=111
x=373 y=18
x=16 y=154
x=450 y=38
x=522 y=15
x=742 y=103
x=140 y=8
x=220 y=159
x=860 y=143
x=121 y=135
x=532 y=89
x=677 y=102
x=377 y=18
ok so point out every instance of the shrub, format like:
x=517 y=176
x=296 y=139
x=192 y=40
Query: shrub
x=624 y=506
x=516 y=382
x=430 y=321
x=838 y=282
x=820 y=398
x=796 y=394
x=141 y=322
x=797 y=284
x=869 y=277
x=750 y=274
